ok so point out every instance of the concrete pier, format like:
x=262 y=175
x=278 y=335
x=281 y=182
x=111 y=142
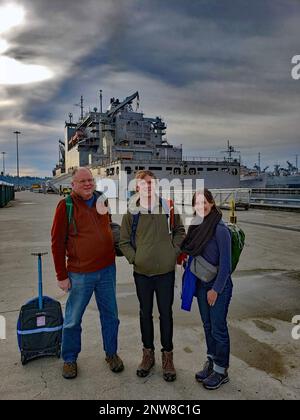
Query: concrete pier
x=265 y=358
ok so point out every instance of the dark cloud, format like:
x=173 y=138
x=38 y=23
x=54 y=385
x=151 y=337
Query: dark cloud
x=214 y=69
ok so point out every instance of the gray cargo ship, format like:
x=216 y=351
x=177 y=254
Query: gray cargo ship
x=122 y=139
x=280 y=177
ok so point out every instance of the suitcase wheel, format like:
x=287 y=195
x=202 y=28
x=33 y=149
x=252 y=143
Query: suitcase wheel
x=23 y=360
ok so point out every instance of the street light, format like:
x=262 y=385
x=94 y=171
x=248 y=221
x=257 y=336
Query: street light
x=18 y=174
x=3 y=159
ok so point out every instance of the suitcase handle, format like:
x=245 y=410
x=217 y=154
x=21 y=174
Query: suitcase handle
x=40 y=280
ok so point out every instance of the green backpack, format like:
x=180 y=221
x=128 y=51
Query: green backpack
x=237 y=243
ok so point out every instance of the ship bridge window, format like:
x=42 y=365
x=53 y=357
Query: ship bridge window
x=225 y=169
x=117 y=170
x=169 y=168
x=234 y=171
x=155 y=168
x=192 y=171
x=112 y=171
x=177 y=171
x=107 y=171
x=212 y=169
x=128 y=170
x=199 y=169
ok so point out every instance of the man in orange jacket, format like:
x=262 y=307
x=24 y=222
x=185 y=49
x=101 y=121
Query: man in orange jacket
x=84 y=259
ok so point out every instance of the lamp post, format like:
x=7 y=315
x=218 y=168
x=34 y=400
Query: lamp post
x=18 y=174
x=3 y=160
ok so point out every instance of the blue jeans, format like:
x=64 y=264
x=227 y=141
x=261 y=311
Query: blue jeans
x=214 y=320
x=103 y=283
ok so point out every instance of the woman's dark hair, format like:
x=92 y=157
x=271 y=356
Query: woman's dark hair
x=207 y=194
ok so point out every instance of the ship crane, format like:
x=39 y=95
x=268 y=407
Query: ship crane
x=291 y=167
x=126 y=101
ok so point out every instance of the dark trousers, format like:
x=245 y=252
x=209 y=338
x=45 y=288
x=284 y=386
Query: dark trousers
x=163 y=287
x=214 y=320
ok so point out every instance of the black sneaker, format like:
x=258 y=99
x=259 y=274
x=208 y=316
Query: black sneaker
x=215 y=380
x=207 y=370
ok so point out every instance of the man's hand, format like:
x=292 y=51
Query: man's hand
x=64 y=285
x=212 y=296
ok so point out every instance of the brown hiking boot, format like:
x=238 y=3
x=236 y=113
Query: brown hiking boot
x=147 y=363
x=115 y=363
x=169 y=372
x=69 y=370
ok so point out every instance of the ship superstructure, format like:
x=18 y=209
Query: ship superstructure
x=123 y=139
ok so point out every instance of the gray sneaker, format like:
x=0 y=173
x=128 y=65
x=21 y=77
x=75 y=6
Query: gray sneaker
x=207 y=370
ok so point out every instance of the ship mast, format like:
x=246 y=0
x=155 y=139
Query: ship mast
x=101 y=101
x=230 y=151
x=81 y=107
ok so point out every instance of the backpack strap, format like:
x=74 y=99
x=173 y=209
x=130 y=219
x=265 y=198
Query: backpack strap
x=69 y=207
x=135 y=221
x=70 y=211
x=168 y=207
x=172 y=215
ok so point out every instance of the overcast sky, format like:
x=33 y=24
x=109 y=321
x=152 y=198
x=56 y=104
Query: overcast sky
x=214 y=70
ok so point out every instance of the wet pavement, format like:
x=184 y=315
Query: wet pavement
x=265 y=359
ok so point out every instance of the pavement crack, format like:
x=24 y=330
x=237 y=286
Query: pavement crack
x=45 y=385
x=277 y=379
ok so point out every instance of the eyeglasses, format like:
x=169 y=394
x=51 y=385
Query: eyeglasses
x=84 y=181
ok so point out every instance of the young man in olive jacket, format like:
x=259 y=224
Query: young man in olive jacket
x=153 y=250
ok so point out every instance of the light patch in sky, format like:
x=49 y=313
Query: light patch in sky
x=3 y=46
x=7 y=102
x=13 y=72
x=11 y=15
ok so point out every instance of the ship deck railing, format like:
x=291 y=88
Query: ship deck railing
x=287 y=191
x=209 y=159
x=222 y=196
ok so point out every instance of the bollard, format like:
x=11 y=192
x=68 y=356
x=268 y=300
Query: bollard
x=232 y=217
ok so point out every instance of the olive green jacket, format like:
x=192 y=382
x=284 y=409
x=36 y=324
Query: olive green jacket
x=156 y=249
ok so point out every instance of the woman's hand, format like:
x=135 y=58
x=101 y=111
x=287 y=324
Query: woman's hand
x=212 y=296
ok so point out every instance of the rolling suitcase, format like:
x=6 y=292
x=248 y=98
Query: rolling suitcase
x=40 y=324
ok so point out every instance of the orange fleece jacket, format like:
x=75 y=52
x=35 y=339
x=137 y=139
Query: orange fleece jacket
x=89 y=249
